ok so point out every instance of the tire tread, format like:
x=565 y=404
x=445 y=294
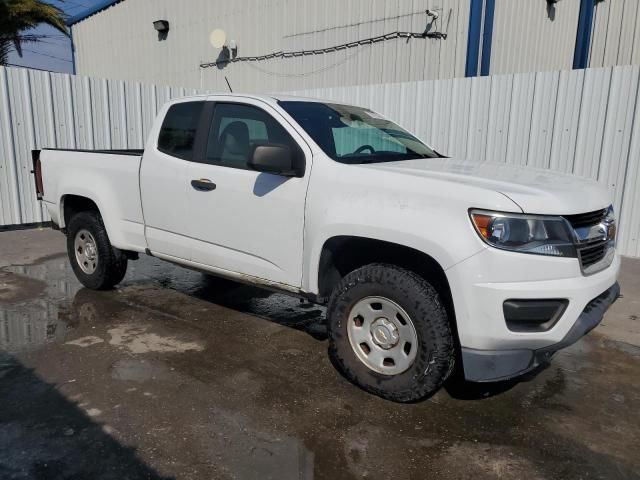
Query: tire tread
x=412 y=286
x=112 y=263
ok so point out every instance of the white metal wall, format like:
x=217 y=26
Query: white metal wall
x=120 y=42
x=615 y=38
x=41 y=109
x=528 y=35
x=533 y=35
x=584 y=122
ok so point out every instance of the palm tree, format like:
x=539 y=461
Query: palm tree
x=16 y=16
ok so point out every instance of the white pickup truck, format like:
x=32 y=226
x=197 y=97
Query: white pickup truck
x=424 y=262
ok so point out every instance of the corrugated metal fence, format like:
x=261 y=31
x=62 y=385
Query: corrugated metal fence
x=41 y=109
x=582 y=121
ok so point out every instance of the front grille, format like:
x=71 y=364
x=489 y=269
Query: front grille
x=593 y=244
x=586 y=219
x=592 y=254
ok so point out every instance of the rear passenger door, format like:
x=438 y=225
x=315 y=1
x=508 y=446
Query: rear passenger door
x=165 y=179
x=244 y=221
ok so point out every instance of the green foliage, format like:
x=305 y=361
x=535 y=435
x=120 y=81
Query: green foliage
x=16 y=16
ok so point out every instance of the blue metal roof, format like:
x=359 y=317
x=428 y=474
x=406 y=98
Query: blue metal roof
x=98 y=7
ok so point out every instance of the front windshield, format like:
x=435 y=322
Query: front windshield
x=356 y=135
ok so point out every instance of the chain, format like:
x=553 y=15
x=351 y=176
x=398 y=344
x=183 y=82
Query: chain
x=336 y=48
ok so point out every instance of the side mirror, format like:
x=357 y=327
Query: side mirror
x=274 y=158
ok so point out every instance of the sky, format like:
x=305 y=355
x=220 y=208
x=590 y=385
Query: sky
x=53 y=52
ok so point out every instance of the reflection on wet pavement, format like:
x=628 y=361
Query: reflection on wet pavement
x=56 y=299
x=211 y=379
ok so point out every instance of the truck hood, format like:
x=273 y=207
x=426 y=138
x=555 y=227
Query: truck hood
x=534 y=190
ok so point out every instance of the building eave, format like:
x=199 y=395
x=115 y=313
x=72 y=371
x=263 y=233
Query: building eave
x=97 y=8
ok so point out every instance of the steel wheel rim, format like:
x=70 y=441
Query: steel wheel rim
x=86 y=251
x=382 y=335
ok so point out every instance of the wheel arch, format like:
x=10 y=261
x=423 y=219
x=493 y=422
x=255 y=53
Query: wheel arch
x=344 y=253
x=71 y=204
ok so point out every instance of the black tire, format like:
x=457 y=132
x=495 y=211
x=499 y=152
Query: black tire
x=435 y=356
x=112 y=263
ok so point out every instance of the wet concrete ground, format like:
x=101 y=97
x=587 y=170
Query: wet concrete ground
x=178 y=375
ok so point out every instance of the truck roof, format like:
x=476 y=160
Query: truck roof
x=267 y=98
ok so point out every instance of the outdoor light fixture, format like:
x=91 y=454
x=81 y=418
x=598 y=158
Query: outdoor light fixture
x=233 y=48
x=161 y=26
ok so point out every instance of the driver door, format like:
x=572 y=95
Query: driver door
x=244 y=221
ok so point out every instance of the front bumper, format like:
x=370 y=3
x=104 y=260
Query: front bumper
x=482 y=283
x=494 y=365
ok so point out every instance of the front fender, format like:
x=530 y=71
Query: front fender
x=428 y=215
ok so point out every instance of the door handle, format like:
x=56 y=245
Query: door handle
x=203 y=185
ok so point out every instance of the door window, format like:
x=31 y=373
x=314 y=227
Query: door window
x=178 y=131
x=237 y=129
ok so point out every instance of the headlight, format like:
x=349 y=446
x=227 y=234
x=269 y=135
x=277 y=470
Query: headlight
x=610 y=222
x=525 y=233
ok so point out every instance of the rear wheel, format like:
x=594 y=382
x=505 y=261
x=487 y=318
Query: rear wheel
x=389 y=333
x=97 y=264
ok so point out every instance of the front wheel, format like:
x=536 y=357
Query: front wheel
x=389 y=333
x=97 y=264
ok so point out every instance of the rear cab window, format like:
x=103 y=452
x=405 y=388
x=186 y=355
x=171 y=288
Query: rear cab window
x=178 y=132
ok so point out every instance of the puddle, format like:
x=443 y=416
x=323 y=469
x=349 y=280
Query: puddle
x=33 y=313
x=17 y=288
x=30 y=326
x=41 y=303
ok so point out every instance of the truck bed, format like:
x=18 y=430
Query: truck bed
x=97 y=175
x=132 y=152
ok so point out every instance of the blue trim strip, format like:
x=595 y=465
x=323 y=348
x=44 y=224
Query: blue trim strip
x=98 y=7
x=73 y=51
x=583 y=37
x=473 y=39
x=487 y=37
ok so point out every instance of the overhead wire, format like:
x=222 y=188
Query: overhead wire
x=32 y=68
x=47 y=55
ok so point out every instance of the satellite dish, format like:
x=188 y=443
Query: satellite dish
x=218 y=38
